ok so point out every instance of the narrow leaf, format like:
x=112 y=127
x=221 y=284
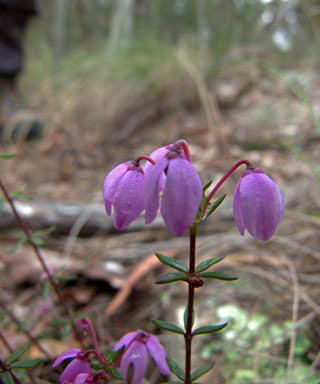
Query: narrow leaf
x=114 y=355
x=173 y=263
x=66 y=277
x=15 y=355
x=21 y=241
x=215 y=205
x=7 y=155
x=203 y=201
x=167 y=326
x=26 y=363
x=174 y=367
x=171 y=277
x=216 y=275
x=185 y=317
x=206 y=264
x=115 y=374
x=201 y=371
x=45 y=290
x=46 y=231
x=7 y=378
x=209 y=329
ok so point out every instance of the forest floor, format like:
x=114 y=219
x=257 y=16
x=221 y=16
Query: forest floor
x=273 y=309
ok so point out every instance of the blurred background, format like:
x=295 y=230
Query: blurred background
x=105 y=81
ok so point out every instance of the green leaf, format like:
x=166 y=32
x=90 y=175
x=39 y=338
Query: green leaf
x=216 y=275
x=46 y=231
x=201 y=371
x=26 y=363
x=7 y=378
x=113 y=355
x=19 y=195
x=209 y=329
x=167 y=326
x=7 y=155
x=39 y=242
x=21 y=241
x=173 y=263
x=15 y=355
x=171 y=277
x=45 y=289
x=203 y=201
x=174 y=367
x=115 y=374
x=215 y=205
x=206 y=264
x=66 y=277
x=185 y=317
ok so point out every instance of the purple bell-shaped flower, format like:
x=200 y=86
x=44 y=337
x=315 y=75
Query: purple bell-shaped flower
x=175 y=177
x=135 y=358
x=257 y=204
x=123 y=189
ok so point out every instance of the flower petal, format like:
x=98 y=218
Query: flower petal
x=76 y=367
x=261 y=204
x=181 y=196
x=237 y=209
x=66 y=355
x=151 y=189
x=110 y=184
x=135 y=359
x=158 y=354
x=81 y=378
x=125 y=340
x=128 y=199
x=156 y=156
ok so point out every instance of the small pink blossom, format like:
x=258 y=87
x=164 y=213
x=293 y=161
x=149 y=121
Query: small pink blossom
x=257 y=204
x=123 y=190
x=78 y=370
x=137 y=344
x=174 y=176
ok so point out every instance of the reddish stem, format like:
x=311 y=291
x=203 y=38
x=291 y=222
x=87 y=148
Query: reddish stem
x=41 y=260
x=222 y=180
x=143 y=157
x=87 y=321
x=185 y=148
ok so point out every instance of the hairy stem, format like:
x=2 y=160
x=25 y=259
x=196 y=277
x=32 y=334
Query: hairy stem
x=191 y=289
x=41 y=260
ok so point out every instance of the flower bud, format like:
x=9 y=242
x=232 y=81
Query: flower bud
x=257 y=204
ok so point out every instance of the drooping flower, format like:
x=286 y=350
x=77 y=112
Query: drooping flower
x=123 y=189
x=78 y=370
x=174 y=176
x=134 y=358
x=257 y=204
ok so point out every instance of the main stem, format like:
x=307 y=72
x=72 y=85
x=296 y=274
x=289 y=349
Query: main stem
x=191 y=289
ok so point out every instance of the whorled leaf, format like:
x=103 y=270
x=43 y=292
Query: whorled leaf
x=216 y=275
x=7 y=378
x=209 y=329
x=167 y=326
x=172 y=277
x=206 y=264
x=201 y=371
x=175 y=368
x=213 y=206
x=26 y=363
x=171 y=262
x=15 y=355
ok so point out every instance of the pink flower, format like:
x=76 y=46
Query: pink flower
x=135 y=356
x=257 y=204
x=174 y=176
x=123 y=189
x=78 y=370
